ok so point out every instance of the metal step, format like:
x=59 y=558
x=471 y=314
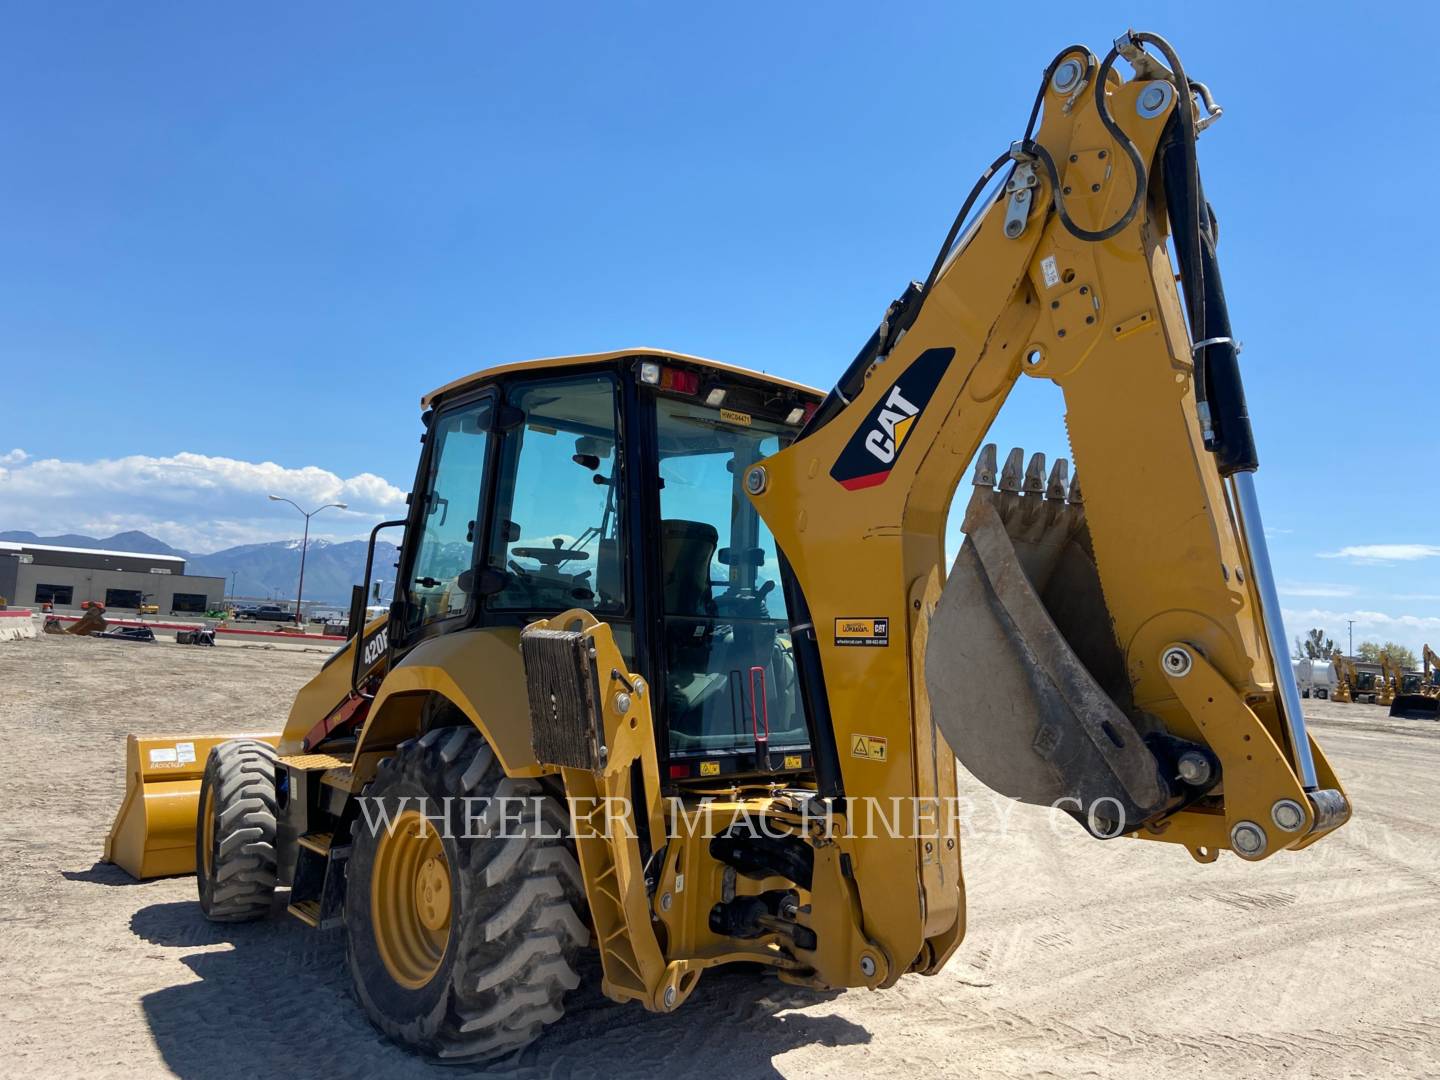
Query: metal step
x=317 y=842
x=307 y=911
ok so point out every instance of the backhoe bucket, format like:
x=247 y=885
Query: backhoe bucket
x=92 y=621
x=1024 y=677
x=154 y=832
x=1416 y=707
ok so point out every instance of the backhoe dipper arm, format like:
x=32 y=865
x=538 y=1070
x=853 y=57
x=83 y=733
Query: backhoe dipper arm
x=1119 y=655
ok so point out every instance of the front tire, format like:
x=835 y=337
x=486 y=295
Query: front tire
x=235 y=864
x=462 y=945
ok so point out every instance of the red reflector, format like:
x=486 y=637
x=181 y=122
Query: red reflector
x=682 y=382
x=679 y=772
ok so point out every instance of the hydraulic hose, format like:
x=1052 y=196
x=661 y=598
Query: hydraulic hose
x=1137 y=163
x=904 y=311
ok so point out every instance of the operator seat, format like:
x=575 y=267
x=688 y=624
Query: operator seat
x=687 y=549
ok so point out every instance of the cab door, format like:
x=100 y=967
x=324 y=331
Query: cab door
x=437 y=581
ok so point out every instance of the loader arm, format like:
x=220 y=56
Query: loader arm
x=1153 y=699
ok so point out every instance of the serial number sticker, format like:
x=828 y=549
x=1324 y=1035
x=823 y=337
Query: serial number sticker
x=709 y=768
x=185 y=752
x=858 y=631
x=792 y=761
x=733 y=416
x=164 y=755
x=869 y=747
x=1052 y=274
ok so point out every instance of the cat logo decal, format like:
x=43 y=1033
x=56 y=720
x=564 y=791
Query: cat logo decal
x=872 y=451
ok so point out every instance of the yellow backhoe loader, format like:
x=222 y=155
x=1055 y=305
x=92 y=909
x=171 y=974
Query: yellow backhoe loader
x=1344 y=678
x=1422 y=700
x=1365 y=686
x=1389 y=680
x=675 y=670
x=1360 y=687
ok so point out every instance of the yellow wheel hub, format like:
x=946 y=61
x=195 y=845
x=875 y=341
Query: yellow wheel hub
x=410 y=900
x=434 y=890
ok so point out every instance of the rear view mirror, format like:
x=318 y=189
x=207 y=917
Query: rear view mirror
x=593 y=446
x=356 y=621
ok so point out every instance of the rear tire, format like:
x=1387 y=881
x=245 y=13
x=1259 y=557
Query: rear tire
x=485 y=979
x=235 y=832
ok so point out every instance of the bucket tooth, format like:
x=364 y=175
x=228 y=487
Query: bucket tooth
x=1059 y=480
x=1014 y=468
x=1074 y=496
x=985 y=467
x=1035 y=474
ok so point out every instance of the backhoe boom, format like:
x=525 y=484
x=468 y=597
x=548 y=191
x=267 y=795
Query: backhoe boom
x=1109 y=655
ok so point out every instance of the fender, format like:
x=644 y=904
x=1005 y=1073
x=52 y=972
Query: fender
x=479 y=672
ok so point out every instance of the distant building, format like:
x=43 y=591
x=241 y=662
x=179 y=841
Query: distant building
x=35 y=574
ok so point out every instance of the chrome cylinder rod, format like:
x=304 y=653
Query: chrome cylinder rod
x=1263 y=578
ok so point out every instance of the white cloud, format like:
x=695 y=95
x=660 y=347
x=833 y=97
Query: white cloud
x=1316 y=590
x=191 y=501
x=1383 y=553
x=1411 y=630
x=14 y=457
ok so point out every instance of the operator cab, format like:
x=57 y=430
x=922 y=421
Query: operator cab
x=613 y=484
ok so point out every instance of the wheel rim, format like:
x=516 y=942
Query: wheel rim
x=410 y=900
x=207 y=833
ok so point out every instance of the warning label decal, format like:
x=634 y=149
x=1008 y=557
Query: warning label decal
x=869 y=747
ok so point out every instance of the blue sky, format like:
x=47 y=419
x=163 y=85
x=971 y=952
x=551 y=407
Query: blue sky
x=240 y=241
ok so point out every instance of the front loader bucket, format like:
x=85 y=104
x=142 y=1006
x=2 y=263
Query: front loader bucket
x=1024 y=677
x=1416 y=707
x=154 y=832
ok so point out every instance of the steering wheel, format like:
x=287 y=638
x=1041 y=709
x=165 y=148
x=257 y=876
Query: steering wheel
x=551 y=556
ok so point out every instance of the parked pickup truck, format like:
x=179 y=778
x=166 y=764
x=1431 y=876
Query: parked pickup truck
x=269 y=613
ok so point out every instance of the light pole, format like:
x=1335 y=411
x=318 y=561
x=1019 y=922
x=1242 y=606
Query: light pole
x=1352 y=636
x=300 y=590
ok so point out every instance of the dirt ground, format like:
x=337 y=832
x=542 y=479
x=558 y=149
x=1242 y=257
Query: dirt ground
x=1120 y=959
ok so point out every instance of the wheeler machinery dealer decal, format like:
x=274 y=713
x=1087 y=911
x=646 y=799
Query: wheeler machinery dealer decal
x=871 y=452
x=870 y=631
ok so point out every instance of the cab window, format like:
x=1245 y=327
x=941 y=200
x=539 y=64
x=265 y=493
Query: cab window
x=441 y=574
x=556 y=536
x=730 y=673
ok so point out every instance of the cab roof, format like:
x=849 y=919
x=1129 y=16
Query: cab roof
x=487 y=374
